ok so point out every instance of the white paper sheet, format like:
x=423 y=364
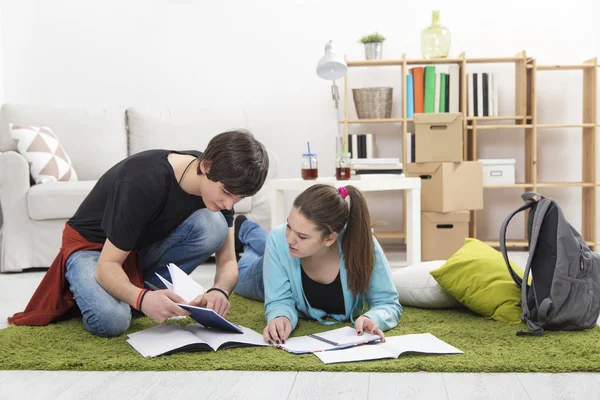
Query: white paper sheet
x=418 y=343
x=346 y=335
x=393 y=347
x=183 y=284
x=305 y=344
x=163 y=338
x=215 y=338
x=160 y=339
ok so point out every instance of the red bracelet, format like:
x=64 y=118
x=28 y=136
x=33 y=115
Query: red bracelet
x=137 y=302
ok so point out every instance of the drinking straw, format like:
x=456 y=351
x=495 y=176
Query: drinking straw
x=309 y=157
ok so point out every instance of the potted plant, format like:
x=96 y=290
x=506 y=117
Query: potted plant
x=373 y=46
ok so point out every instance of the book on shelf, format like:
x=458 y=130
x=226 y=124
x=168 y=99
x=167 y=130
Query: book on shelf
x=361 y=145
x=170 y=338
x=482 y=94
x=410 y=147
x=410 y=97
x=433 y=89
x=384 y=171
x=393 y=347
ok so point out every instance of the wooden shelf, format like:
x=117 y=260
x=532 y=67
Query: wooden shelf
x=565 y=184
x=571 y=67
x=544 y=126
x=527 y=92
x=494 y=60
x=500 y=118
x=433 y=61
x=507 y=126
x=514 y=185
x=373 y=121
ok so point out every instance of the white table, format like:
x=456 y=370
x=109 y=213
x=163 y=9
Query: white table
x=365 y=184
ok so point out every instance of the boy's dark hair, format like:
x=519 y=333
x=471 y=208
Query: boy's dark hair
x=237 y=160
x=327 y=209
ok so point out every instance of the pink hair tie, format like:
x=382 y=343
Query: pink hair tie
x=343 y=191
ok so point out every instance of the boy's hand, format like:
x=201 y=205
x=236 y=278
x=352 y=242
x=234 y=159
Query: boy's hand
x=161 y=305
x=214 y=300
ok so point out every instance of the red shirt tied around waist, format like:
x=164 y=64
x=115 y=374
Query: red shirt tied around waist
x=53 y=299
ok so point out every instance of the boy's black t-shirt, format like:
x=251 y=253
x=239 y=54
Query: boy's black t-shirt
x=137 y=202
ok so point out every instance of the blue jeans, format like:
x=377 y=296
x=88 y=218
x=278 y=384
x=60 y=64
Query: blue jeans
x=187 y=246
x=250 y=280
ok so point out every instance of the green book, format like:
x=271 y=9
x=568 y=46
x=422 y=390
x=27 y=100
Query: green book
x=429 y=89
x=443 y=92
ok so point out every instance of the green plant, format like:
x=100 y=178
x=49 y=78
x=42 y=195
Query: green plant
x=372 y=38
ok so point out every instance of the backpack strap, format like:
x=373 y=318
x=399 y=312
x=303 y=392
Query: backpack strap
x=513 y=274
x=543 y=308
x=530 y=199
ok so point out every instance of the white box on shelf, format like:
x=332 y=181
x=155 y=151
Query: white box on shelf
x=498 y=171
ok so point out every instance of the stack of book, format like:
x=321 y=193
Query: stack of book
x=435 y=89
x=364 y=162
x=482 y=94
x=369 y=166
x=432 y=89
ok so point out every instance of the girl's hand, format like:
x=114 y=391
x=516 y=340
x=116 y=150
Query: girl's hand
x=364 y=324
x=278 y=330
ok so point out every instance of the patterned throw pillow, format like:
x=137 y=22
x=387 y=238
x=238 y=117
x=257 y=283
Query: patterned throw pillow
x=48 y=161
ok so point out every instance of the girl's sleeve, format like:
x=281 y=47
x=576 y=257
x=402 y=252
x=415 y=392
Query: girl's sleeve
x=382 y=299
x=279 y=298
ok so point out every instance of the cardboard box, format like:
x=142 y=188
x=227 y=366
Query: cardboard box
x=498 y=171
x=439 y=137
x=442 y=234
x=449 y=187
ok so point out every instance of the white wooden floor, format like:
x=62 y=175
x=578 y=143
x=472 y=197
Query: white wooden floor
x=16 y=289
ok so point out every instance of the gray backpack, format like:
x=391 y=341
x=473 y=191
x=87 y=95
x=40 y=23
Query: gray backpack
x=564 y=293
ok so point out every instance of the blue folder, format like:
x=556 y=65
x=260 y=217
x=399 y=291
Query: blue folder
x=210 y=319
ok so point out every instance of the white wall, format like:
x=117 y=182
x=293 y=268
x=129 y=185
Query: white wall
x=261 y=55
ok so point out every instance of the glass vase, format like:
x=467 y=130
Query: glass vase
x=435 y=40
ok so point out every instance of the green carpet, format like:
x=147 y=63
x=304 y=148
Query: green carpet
x=489 y=346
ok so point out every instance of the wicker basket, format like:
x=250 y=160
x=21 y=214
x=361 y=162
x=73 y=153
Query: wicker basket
x=373 y=102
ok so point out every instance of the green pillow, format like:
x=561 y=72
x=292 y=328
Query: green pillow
x=477 y=276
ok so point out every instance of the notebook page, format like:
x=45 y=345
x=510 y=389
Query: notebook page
x=418 y=343
x=216 y=338
x=346 y=336
x=305 y=344
x=355 y=353
x=160 y=339
x=165 y=282
x=183 y=284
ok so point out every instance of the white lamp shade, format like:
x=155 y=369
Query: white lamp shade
x=331 y=66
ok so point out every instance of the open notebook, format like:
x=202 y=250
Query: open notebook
x=393 y=347
x=172 y=338
x=188 y=289
x=331 y=340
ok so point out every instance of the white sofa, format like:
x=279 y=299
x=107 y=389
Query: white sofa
x=32 y=217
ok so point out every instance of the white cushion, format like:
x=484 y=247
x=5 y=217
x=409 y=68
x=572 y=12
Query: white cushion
x=180 y=128
x=417 y=288
x=48 y=160
x=95 y=139
x=57 y=200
